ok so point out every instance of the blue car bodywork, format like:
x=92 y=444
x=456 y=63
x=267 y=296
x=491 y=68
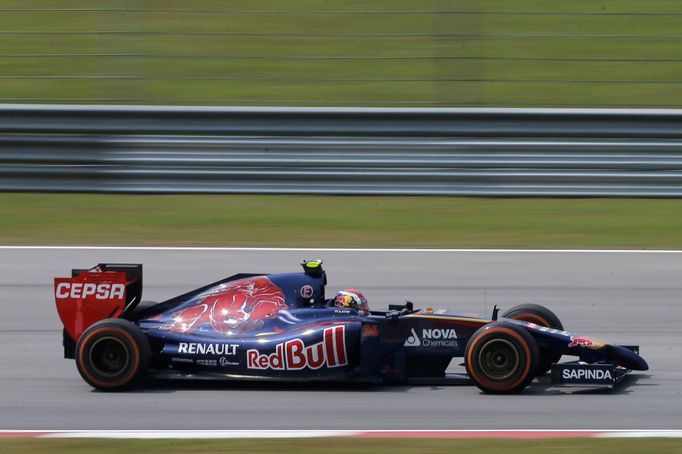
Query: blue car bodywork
x=282 y=327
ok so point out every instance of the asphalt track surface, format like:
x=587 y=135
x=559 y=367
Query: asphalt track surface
x=621 y=297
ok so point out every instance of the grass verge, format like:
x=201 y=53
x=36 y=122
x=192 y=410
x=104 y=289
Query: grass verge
x=342 y=52
x=322 y=221
x=343 y=445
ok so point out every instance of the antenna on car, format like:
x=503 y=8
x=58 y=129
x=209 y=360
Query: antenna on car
x=485 y=301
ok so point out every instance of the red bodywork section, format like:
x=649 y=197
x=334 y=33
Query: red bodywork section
x=234 y=308
x=88 y=298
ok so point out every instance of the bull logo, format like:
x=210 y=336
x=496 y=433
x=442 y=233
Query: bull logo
x=581 y=341
x=232 y=308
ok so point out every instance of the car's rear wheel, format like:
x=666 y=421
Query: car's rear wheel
x=112 y=355
x=541 y=316
x=501 y=358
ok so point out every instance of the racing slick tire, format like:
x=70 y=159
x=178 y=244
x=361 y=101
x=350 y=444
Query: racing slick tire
x=501 y=358
x=113 y=355
x=541 y=316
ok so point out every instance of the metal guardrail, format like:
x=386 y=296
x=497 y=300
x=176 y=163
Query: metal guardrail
x=495 y=152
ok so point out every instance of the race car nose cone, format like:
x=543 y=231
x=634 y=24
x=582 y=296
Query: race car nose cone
x=628 y=358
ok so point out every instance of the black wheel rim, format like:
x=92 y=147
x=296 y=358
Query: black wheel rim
x=109 y=356
x=499 y=359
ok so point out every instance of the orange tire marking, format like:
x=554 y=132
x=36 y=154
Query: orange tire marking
x=538 y=320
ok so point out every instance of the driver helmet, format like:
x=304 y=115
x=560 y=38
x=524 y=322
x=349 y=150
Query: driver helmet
x=353 y=299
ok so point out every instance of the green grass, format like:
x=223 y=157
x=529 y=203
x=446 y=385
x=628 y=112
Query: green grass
x=493 y=61
x=321 y=221
x=342 y=445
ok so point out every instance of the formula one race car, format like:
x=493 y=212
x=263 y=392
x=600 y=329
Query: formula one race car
x=281 y=327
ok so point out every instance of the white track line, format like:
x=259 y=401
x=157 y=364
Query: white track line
x=322 y=249
x=203 y=434
x=641 y=434
x=225 y=434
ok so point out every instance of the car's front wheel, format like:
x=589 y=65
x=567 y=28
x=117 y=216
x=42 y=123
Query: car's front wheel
x=113 y=354
x=501 y=358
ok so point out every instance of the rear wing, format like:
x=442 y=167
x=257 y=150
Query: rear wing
x=90 y=295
